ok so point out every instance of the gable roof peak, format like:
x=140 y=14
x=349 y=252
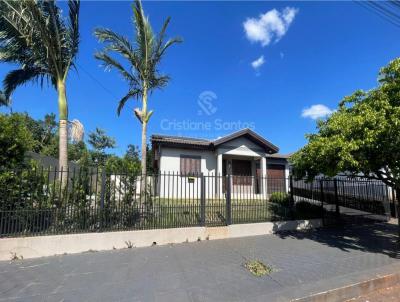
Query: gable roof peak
x=250 y=134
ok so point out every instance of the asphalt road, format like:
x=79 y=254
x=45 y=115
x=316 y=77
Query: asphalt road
x=303 y=263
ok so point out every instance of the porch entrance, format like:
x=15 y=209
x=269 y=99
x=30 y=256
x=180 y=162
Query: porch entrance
x=244 y=176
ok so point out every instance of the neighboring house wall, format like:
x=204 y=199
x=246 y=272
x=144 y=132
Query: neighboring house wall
x=170 y=160
x=171 y=184
x=49 y=162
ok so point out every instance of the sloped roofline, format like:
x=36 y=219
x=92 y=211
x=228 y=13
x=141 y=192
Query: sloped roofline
x=253 y=136
x=196 y=143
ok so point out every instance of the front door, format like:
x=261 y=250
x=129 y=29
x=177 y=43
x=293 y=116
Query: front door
x=241 y=171
x=276 y=178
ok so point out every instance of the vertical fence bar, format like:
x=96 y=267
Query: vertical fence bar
x=337 y=208
x=291 y=190
x=202 y=200
x=322 y=200
x=102 y=196
x=228 y=200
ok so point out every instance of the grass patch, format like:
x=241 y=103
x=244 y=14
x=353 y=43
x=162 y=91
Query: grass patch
x=257 y=268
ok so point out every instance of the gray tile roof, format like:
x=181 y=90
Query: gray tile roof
x=211 y=144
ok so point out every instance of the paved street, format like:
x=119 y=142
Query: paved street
x=303 y=263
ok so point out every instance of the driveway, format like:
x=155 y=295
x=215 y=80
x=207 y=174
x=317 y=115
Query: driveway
x=303 y=262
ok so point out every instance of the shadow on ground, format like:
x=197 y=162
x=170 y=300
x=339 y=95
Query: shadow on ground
x=368 y=237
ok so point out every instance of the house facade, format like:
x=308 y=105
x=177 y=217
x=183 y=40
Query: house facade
x=254 y=164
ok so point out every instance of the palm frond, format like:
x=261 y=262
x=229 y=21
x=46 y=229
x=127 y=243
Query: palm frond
x=19 y=77
x=159 y=82
x=119 y=44
x=143 y=55
x=131 y=94
x=33 y=34
x=144 y=37
x=73 y=30
x=168 y=44
x=109 y=62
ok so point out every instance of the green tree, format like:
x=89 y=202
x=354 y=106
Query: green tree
x=35 y=36
x=143 y=58
x=100 y=142
x=362 y=136
x=15 y=140
x=44 y=132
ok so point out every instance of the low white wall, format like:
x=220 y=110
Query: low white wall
x=33 y=247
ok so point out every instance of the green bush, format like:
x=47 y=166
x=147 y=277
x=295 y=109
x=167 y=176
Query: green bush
x=281 y=198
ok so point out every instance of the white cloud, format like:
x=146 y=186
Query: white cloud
x=270 y=26
x=258 y=63
x=281 y=54
x=316 y=111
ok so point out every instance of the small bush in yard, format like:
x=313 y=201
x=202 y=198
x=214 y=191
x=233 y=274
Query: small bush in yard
x=257 y=268
x=280 y=197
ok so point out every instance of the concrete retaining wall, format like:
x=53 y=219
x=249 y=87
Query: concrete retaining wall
x=33 y=247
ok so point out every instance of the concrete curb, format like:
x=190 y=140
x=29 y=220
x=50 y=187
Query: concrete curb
x=354 y=290
x=42 y=246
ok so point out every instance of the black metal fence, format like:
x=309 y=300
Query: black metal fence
x=50 y=201
x=351 y=198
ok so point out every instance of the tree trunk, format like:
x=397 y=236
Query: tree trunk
x=144 y=142
x=63 y=132
x=144 y=149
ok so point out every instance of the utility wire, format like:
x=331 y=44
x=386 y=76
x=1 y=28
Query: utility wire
x=388 y=10
x=93 y=78
x=96 y=80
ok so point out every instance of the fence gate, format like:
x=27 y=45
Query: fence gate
x=348 y=200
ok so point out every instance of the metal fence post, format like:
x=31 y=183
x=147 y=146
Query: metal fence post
x=337 y=208
x=228 y=200
x=322 y=200
x=394 y=202
x=102 y=196
x=203 y=200
x=291 y=190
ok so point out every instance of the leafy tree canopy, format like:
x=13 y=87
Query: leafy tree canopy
x=361 y=136
x=100 y=141
x=15 y=140
x=21 y=133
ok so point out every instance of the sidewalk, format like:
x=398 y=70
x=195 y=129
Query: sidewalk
x=304 y=263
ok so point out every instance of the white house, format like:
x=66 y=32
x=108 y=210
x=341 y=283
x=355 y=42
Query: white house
x=254 y=164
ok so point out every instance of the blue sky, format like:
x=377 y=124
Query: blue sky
x=318 y=53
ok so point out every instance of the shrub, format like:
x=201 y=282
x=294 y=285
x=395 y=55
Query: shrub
x=281 y=198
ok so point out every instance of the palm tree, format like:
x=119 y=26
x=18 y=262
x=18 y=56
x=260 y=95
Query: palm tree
x=35 y=36
x=143 y=57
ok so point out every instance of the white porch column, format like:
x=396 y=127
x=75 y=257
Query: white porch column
x=219 y=175
x=263 y=166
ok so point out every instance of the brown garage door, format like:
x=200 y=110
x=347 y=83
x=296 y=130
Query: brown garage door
x=276 y=178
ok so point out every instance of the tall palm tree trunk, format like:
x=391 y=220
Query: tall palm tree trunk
x=144 y=148
x=144 y=142
x=63 y=131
